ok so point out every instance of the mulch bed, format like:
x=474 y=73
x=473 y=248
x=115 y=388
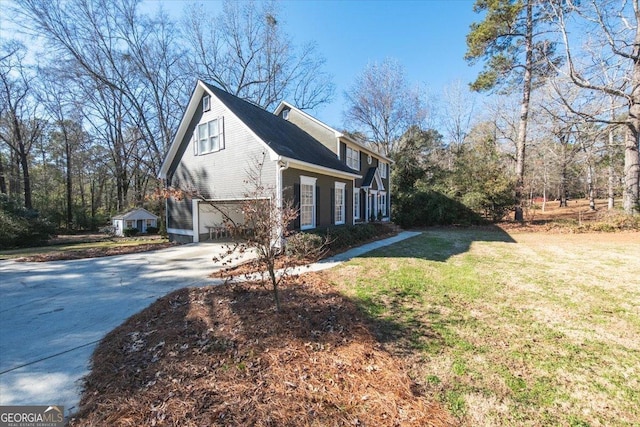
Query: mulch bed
x=223 y=356
x=94 y=252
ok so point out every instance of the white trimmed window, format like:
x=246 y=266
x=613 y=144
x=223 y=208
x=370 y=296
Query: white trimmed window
x=339 y=210
x=382 y=203
x=206 y=103
x=209 y=137
x=383 y=170
x=307 y=202
x=353 y=158
x=356 y=203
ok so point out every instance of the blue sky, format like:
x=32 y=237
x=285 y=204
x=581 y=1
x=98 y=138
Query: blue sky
x=427 y=37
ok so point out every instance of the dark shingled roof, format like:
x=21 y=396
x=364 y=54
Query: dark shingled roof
x=283 y=137
x=368 y=178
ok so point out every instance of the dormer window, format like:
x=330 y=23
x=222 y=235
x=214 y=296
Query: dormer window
x=285 y=114
x=353 y=158
x=206 y=103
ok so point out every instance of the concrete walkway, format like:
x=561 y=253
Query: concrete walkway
x=53 y=314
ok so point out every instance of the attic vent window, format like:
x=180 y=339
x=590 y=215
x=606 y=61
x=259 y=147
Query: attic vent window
x=206 y=103
x=285 y=114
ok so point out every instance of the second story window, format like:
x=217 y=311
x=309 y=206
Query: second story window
x=353 y=158
x=209 y=137
x=383 y=170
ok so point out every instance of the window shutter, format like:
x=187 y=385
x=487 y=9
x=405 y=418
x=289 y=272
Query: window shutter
x=296 y=204
x=317 y=206
x=332 y=199
x=348 y=207
x=221 y=132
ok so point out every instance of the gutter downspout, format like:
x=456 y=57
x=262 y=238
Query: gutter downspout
x=282 y=165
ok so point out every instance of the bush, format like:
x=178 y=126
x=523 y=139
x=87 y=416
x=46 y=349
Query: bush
x=303 y=245
x=152 y=230
x=20 y=227
x=425 y=208
x=130 y=232
x=344 y=236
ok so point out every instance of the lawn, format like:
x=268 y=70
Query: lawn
x=510 y=329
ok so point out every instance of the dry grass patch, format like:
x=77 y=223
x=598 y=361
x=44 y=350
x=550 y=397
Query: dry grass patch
x=520 y=329
x=223 y=356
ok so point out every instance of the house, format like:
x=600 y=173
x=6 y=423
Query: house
x=138 y=218
x=371 y=191
x=306 y=161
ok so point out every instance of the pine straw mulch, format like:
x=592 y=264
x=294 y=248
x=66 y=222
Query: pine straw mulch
x=222 y=356
x=94 y=252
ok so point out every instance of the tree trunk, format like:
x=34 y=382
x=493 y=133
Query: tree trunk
x=590 y=190
x=631 y=197
x=524 y=114
x=69 y=186
x=611 y=173
x=26 y=180
x=3 y=182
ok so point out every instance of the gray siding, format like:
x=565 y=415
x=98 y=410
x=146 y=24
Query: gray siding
x=325 y=185
x=319 y=132
x=220 y=175
x=179 y=214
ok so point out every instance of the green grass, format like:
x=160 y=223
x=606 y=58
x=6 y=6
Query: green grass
x=542 y=331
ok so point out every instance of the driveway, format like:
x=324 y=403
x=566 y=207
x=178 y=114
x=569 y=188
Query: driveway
x=53 y=314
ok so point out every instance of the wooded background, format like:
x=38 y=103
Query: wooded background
x=93 y=91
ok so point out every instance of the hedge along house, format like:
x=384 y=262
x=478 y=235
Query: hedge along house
x=219 y=139
x=139 y=218
x=372 y=189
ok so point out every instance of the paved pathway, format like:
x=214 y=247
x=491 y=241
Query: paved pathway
x=53 y=314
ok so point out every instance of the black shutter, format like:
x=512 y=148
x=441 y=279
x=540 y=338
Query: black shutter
x=317 y=205
x=333 y=206
x=296 y=204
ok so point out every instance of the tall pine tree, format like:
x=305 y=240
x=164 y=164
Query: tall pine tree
x=511 y=41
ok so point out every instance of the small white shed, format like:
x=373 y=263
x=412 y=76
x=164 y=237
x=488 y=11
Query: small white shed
x=136 y=218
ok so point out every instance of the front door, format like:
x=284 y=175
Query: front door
x=139 y=226
x=373 y=205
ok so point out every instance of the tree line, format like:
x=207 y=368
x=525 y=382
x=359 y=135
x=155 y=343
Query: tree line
x=93 y=91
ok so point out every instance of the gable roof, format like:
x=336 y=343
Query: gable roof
x=372 y=173
x=282 y=137
x=337 y=133
x=128 y=214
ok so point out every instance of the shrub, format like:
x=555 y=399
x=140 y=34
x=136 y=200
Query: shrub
x=130 y=232
x=344 y=236
x=303 y=245
x=425 y=208
x=20 y=227
x=152 y=230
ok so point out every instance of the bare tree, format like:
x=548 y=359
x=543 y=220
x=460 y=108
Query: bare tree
x=608 y=63
x=458 y=112
x=111 y=43
x=245 y=51
x=383 y=105
x=19 y=125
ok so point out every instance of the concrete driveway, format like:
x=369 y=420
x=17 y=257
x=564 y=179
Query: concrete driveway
x=53 y=314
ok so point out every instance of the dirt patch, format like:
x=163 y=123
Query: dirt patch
x=223 y=356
